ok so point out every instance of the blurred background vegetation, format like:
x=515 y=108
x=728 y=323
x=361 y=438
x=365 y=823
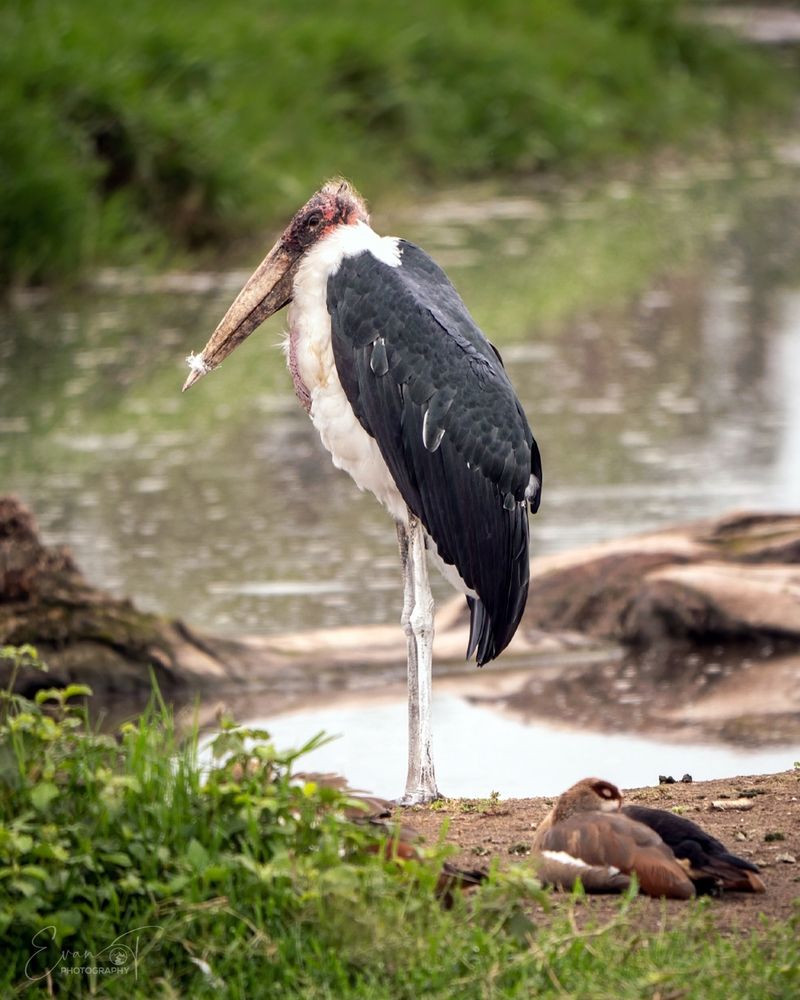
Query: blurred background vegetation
x=142 y=130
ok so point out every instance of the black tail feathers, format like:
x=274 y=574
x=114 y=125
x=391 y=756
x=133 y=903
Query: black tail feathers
x=485 y=637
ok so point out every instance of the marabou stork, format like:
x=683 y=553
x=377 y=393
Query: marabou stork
x=413 y=402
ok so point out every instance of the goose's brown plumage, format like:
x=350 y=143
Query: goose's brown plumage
x=585 y=836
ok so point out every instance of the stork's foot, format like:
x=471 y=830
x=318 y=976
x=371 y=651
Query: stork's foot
x=419 y=797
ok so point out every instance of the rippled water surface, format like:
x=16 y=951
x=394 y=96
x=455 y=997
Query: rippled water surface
x=653 y=335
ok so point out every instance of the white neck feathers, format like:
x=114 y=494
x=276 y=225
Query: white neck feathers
x=326 y=257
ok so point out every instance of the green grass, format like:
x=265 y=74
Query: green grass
x=250 y=884
x=130 y=130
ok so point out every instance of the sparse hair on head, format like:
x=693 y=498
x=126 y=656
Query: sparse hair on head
x=343 y=190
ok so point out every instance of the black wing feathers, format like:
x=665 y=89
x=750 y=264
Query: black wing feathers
x=426 y=384
x=711 y=865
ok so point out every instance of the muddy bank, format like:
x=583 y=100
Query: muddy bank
x=765 y=829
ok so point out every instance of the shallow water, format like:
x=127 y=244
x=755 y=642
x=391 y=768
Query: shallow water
x=478 y=750
x=653 y=334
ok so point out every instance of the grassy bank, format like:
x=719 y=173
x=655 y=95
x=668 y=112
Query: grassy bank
x=132 y=130
x=118 y=856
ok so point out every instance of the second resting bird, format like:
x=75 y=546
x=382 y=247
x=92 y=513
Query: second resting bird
x=411 y=400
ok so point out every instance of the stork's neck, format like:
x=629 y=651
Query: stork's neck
x=325 y=258
x=309 y=351
x=308 y=346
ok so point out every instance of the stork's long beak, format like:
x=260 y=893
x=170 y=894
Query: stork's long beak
x=267 y=290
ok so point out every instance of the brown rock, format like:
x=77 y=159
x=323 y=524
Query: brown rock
x=714 y=600
x=729 y=580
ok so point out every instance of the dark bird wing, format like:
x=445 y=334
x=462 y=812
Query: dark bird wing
x=427 y=385
x=711 y=865
x=617 y=842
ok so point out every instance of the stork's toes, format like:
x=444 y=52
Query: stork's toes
x=418 y=797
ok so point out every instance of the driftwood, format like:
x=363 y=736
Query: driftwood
x=81 y=632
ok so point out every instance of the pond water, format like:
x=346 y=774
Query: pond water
x=652 y=331
x=511 y=757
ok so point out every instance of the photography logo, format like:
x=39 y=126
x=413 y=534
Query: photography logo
x=121 y=957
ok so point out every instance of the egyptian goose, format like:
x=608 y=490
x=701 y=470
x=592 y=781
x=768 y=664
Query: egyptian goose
x=586 y=837
x=590 y=835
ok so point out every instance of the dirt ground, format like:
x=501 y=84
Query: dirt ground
x=761 y=824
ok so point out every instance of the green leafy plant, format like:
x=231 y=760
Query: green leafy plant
x=145 y=863
x=21 y=658
x=105 y=834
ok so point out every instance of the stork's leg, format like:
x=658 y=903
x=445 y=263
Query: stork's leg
x=417 y=621
x=404 y=541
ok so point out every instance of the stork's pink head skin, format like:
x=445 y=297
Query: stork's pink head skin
x=269 y=288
